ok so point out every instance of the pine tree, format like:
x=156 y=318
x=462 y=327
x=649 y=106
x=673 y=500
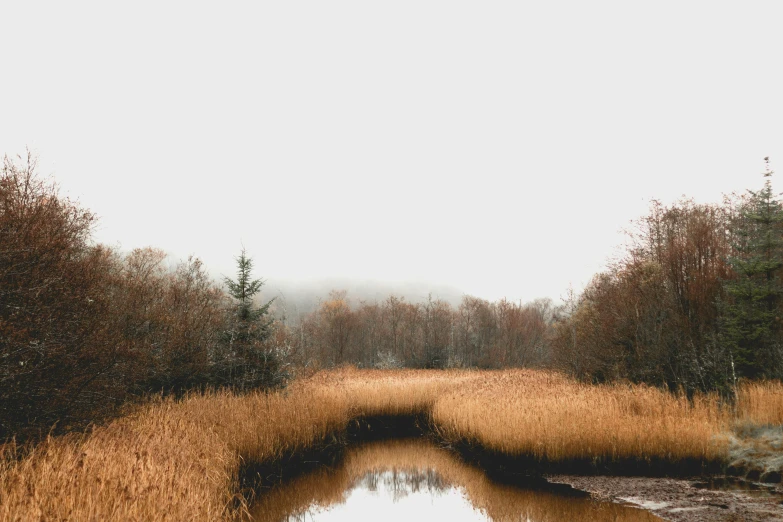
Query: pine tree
x=251 y=363
x=251 y=324
x=751 y=326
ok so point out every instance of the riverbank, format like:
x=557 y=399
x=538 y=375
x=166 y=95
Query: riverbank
x=184 y=459
x=685 y=500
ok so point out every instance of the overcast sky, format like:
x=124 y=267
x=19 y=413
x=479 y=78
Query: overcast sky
x=498 y=147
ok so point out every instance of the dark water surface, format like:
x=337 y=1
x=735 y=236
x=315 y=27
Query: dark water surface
x=409 y=480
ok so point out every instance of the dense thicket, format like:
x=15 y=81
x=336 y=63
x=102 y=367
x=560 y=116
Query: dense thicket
x=55 y=361
x=84 y=328
x=653 y=315
x=695 y=303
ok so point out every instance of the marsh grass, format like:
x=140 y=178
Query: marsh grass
x=761 y=403
x=180 y=460
x=552 y=418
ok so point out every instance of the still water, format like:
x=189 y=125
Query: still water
x=412 y=480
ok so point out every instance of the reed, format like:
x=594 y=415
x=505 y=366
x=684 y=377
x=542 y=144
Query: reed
x=760 y=402
x=552 y=418
x=180 y=460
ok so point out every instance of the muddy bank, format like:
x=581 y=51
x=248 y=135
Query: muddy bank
x=684 y=500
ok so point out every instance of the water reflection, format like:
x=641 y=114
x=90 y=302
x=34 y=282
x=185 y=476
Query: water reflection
x=399 y=484
x=415 y=480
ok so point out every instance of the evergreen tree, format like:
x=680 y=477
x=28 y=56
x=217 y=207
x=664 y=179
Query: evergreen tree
x=751 y=326
x=251 y=364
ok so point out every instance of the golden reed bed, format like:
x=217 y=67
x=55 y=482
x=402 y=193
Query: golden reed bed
x=180 y=460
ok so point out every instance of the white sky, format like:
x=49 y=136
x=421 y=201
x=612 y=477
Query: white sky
x=383 y=505
x=495 y=146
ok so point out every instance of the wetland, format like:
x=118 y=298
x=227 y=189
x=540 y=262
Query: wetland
x=414 y=479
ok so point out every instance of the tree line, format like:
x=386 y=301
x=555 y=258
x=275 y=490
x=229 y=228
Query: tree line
x=431 y=334
x=694 y=303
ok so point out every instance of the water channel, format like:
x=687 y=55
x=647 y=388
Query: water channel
x=412 y=479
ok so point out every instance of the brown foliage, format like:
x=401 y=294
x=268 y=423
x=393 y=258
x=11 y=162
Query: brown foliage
x=430 y=334
x=168 y=321
x=55 y=363
x=654 y=315
x=84 y=328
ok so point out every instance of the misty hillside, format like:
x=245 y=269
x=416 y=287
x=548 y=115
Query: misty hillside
x=302 y=297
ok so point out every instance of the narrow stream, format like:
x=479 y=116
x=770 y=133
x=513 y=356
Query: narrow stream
x=412 y=479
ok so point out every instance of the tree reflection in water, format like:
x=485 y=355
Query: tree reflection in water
x=413 y=479
x=399 y=484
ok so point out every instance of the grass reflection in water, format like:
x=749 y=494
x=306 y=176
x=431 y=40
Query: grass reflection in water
x=410 y=478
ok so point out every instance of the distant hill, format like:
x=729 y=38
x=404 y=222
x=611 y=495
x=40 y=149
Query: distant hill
x=302 y=297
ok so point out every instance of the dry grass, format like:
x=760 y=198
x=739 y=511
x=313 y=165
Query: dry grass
x=167 y=461
x=553 y=418
x=180 y=460
x=761 y=403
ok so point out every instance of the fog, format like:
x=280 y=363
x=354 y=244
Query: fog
x=294 y=298
x=497 y=149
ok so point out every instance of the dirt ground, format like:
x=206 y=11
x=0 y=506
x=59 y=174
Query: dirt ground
x=683 y=500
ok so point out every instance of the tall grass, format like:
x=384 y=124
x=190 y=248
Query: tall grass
x=761 y=403
x=167 y=461
x=180 y=460
x=553 y=418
